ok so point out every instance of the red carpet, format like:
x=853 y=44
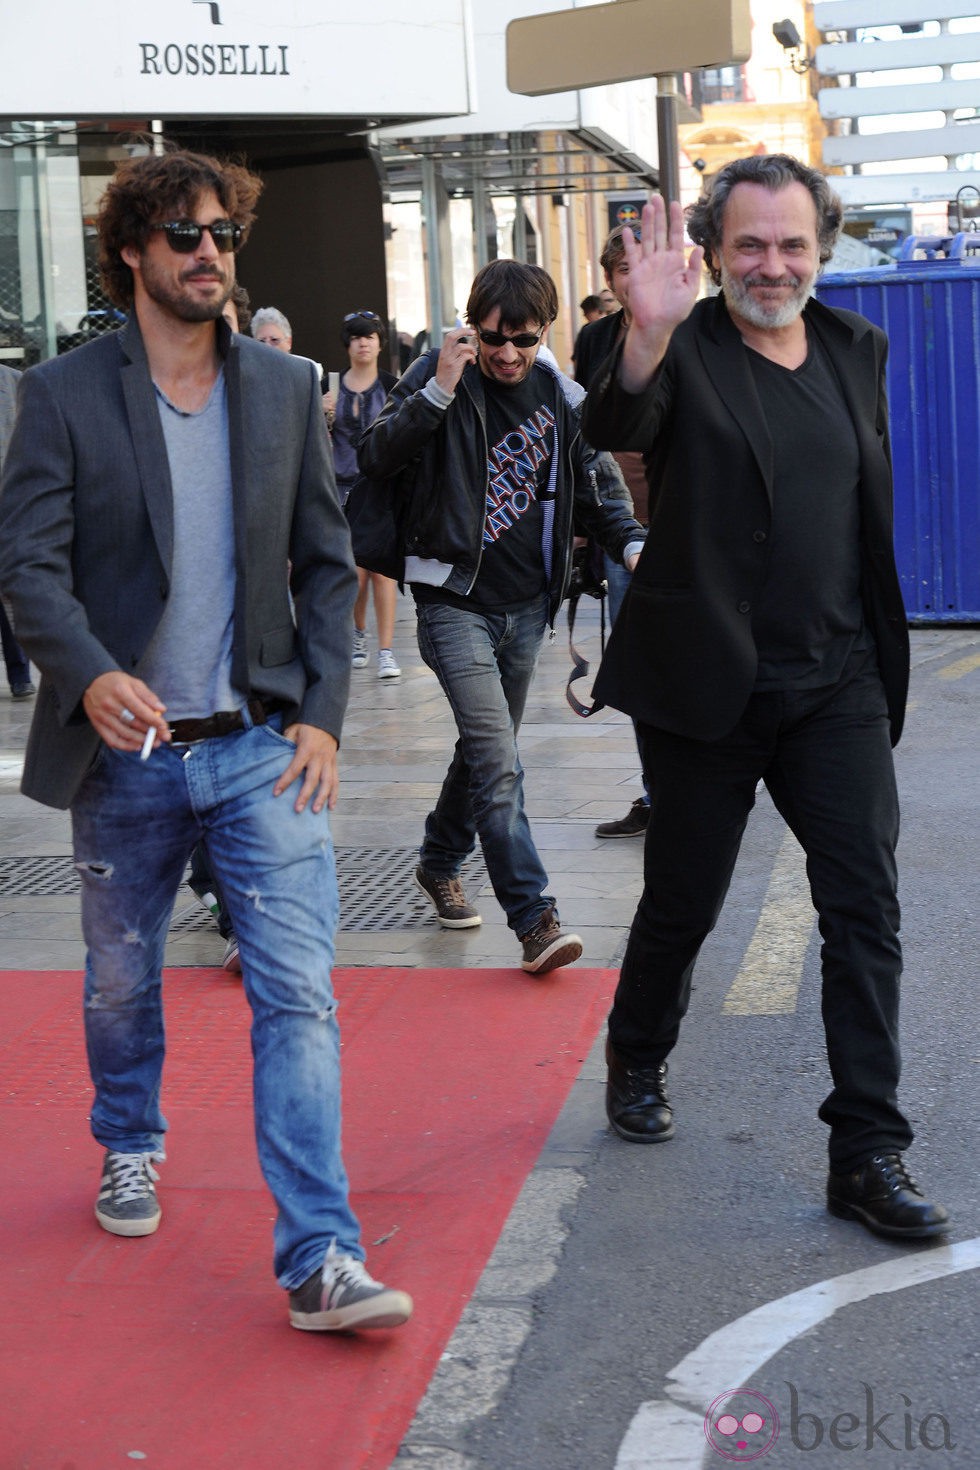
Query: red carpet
x=175 y=1350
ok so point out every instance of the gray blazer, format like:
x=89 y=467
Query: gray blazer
x=86 y=539
x=8 y=406
x=8 y=403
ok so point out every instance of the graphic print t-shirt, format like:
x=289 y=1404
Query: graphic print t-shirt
x=520 y=445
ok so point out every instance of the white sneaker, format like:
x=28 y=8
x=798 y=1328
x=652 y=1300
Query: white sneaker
x=232 y=961
x=343 y=1295
x=359 y=654
x=387 y=668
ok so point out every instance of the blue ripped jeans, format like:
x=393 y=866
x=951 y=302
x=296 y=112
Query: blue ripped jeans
x=134 y=824
x=485 y=662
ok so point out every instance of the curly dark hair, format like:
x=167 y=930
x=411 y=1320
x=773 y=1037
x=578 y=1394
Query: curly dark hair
x=524 y=293
x=242 y=304
x=705 y=219
x=145 y=191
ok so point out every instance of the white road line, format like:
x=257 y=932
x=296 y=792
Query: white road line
x=668 y=1433
x=768 y=980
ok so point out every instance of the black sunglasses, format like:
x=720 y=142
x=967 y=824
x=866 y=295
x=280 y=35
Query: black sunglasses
x=523 y=339
x=184 y=236
x=352 y=316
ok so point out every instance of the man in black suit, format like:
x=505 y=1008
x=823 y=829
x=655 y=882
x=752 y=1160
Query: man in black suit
x=763 y=637
x=159 y=483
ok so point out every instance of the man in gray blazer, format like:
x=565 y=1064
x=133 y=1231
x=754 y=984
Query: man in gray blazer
x=160 y=483
x=14 y=658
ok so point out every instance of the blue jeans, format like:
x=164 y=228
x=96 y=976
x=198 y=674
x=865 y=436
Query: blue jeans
x=485 y=662
x=617 y=581
x=134 y=824
x=14 y=657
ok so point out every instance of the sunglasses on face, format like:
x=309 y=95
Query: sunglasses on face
x=184 y=236
x=497 y=339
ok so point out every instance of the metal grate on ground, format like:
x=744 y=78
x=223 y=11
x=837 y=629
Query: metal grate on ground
x=377 y=893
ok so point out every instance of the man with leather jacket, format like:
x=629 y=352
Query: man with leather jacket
x=501 y=473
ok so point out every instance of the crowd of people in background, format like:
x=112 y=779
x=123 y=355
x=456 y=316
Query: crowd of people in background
x=351 y=406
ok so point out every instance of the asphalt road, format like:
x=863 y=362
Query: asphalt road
x=616 y=1311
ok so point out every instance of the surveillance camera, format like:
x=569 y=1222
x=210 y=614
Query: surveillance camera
x=787 y=35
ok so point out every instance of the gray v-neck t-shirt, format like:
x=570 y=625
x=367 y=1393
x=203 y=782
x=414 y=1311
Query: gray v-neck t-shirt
x=188 y=662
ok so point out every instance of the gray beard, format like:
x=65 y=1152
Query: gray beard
x=740 y=300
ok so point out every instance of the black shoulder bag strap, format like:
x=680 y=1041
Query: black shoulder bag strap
x=580 y=665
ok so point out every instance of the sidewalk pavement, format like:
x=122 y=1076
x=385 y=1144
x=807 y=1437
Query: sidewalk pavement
x=397 y=741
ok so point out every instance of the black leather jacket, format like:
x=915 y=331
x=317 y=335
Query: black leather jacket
x=447 y=508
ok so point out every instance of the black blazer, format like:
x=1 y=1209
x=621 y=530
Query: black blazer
x=681 y=655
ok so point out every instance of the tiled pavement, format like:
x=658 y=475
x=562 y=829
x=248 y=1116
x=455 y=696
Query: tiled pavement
x=397 y=741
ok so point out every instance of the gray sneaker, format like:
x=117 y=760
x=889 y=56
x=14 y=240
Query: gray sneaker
x=232 y=961
x=448 y=899
x=127 y=1202
x=343 y=1296
x=546 y=947
x=359 y=652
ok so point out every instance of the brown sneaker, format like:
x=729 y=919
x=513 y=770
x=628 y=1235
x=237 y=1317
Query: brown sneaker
x=634 y=824
x=546 y=947
x=448 y=900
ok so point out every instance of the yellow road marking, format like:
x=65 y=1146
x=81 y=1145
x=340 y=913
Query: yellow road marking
x=961 y=667
x=768 y=980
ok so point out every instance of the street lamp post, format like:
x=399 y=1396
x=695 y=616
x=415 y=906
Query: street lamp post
x=667 y=148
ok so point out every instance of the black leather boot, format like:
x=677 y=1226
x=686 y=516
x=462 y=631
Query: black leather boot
x=636 y=1100
x=883 y=1195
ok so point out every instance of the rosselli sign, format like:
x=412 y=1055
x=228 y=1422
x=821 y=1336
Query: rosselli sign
x=213 y=59
x=235 y=58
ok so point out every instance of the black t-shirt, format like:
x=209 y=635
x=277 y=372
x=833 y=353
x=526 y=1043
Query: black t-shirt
x=809 y=615
x=520 y=448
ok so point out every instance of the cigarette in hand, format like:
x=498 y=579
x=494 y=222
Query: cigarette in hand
x=148 y=740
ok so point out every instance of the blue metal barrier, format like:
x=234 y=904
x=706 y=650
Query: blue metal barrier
x=929 y=305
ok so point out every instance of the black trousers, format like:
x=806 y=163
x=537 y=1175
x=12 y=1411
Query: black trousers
x=825 y=756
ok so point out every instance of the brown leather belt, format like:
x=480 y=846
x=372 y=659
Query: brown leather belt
x=225 y=722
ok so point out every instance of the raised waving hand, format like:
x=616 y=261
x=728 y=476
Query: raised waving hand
x=663 y=287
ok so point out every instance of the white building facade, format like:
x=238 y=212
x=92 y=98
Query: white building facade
x=395 y=160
